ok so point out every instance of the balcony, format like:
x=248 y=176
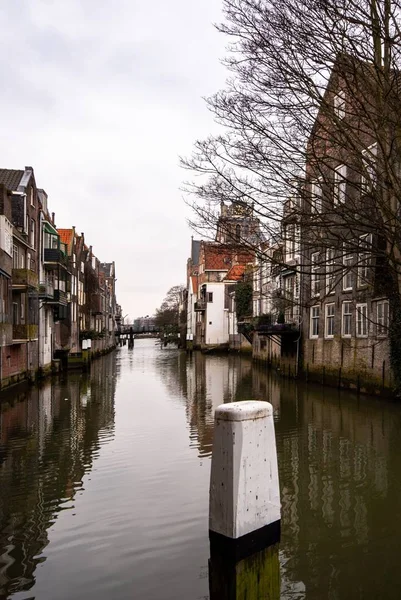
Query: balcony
x=51 y=295
x=24 y=333
x=22 y=278
x=46 y=291
x=53 y=257
x=200 y=306
x=60 y=297
x=277 y=329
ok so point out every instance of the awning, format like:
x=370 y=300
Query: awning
x=48 y=227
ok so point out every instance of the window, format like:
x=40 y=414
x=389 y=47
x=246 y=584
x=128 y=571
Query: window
x=22 y=308
x=82 y=267
x=32 y=236
x=365 y=242
x=238 y=233
x=15 y=314
x=209 y=297
x=330 y=271
x=368 y=177
x=32 y=197
x=314 y=321
x=316 y=191
x=74 y=260
x=329 y=321
x=340 y=184
x=361 y=320
x=315 y=278
x=339 y=104
x=347 y=261
x=15 y=257
x=28 y=260
x=382 y=317
x=4 y=299
x=346 y=319
x=291 y=240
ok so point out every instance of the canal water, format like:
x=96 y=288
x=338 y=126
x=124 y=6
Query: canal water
x=104 y=482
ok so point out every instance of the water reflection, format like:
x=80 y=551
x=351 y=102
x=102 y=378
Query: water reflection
x=339 y=474
x=49 y=437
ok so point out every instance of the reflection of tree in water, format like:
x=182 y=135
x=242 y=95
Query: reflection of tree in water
x=49 y=439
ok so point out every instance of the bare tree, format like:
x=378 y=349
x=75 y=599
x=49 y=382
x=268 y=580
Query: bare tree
x=311 y=116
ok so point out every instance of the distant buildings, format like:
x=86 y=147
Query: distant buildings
x=56 y=298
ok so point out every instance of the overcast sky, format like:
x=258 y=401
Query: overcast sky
x=100 y=97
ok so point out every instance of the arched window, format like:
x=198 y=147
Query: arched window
x=238 y=233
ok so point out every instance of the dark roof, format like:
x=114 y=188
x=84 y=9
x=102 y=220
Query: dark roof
x=11 y=178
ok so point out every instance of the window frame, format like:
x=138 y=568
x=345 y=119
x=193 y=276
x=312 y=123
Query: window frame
x=312 y=320
x=343 y=315
x=315 y=275
x=347 y=272
x=330 y=275
x=316 y=207
x=363 y=320
x=340 y=184
x=382 y=328
x=364 y=260
x=329 y=319
x=369 y=165
x=339 y=104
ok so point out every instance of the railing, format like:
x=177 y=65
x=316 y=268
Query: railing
x=277 y=328
x=46 y=290
x=25 y=332
x=60 y=297
x=54 y=256
x=24 y=277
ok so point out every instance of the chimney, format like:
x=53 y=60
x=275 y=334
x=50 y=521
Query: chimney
x=53 y=217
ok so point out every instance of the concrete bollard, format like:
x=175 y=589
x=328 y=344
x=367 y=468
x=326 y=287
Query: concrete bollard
x=244 y=509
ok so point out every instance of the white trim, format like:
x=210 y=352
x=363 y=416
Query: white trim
x=346 y=335
x=329 y=336
x=312 y=320
x=362 y=319
x=340 y=184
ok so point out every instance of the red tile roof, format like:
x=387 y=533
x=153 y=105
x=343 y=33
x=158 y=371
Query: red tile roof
x=65 y=235
x=235 y=273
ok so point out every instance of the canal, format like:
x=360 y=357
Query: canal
x=104 y=482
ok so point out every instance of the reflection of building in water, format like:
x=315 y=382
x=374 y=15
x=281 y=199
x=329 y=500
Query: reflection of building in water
x=212 y=381
x=47 y=442
x=333 y=462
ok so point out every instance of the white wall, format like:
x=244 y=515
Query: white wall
x=216 y=318
x=46 y=329
x=191 y=314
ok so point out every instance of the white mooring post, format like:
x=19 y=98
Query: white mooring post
x=244 y=511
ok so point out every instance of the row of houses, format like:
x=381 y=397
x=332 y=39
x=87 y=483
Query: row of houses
x=56 y=298
x=318 y=297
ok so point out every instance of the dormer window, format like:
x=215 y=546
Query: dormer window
x=339 y=104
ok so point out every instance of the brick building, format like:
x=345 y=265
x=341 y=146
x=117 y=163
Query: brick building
x=346 y=314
